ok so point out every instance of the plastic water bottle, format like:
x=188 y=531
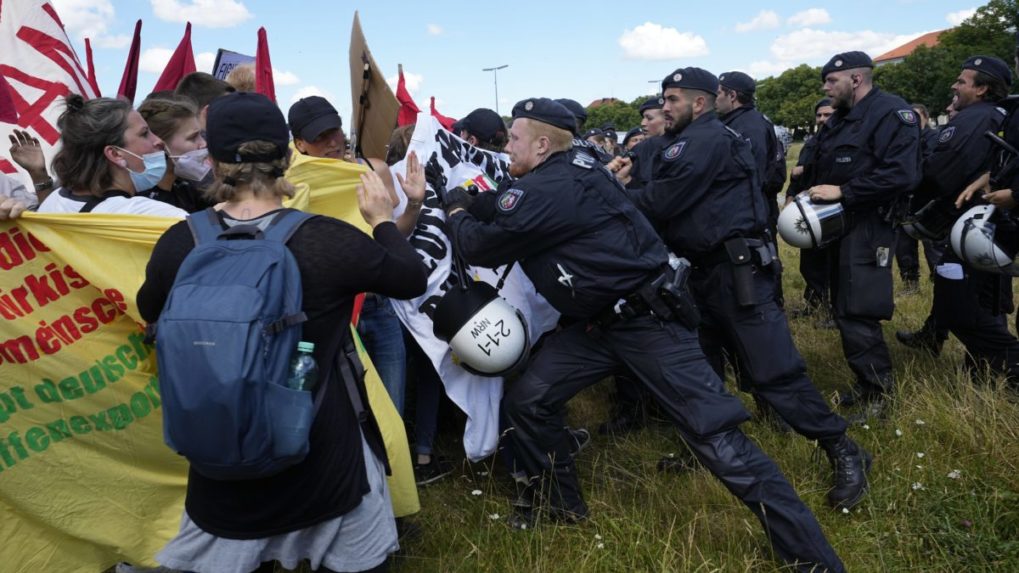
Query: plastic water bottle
x=303 y=369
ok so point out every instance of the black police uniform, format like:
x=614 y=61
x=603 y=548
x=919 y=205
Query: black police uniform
x=872 y=152
x=643 y=157
x=907 y=249
x=586 y=248
x=813 y=262
x=705 y=196
x=975 y=307
x=769 y=155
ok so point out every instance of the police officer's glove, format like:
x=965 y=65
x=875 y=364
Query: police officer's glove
x=457 y=198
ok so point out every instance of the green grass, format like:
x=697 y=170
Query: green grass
x=916 y=517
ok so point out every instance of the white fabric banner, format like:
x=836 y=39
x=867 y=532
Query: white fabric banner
x=39 y=64
x=450 y=161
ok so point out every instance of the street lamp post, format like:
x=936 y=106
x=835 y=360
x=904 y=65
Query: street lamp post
x=495 y=75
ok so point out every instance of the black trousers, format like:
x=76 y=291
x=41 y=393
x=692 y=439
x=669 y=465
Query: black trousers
x=907 y=255
x=757 y=341
x=667 y=359
x=968 y=306
x=814 y=268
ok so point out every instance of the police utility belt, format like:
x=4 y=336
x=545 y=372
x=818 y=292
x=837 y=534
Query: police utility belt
x=742 y=254
x=666 y=297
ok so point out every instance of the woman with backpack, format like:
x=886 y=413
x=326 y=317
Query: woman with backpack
x=333 y=507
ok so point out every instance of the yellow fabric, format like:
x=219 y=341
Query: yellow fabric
x=85 y=479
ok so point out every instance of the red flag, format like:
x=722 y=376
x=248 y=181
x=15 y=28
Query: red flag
x=182 y=63
x=129 y=81
x=263 y=68
x=446 y=122
x=408 y=109
x=8 y=111
x=91 y=67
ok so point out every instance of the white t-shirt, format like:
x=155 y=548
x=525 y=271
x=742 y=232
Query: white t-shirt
x=62 y=201
x=14 y=188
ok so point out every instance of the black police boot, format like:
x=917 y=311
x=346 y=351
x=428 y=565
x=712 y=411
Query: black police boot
x=928 y=338
x=678 y=463
x=850 y=464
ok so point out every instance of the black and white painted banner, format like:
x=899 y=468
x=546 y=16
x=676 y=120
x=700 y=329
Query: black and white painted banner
x=450 y=162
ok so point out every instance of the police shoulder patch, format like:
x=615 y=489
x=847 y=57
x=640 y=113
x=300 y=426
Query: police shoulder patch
x=946 y=134
x=907 y=116
x=510 y=199
x=674 y=151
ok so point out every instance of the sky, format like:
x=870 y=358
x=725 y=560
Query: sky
x=581 y=50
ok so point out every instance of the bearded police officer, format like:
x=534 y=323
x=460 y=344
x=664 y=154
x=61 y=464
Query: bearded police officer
x=868 y=155
x=813 y=262
x=972 y=304
x=705 y=195
x=598 y=261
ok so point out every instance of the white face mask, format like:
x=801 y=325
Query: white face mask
x=193 y=166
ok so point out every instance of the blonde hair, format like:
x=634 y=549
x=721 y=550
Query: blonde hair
x=242 y=78
x=558 y=139
x=264 y=178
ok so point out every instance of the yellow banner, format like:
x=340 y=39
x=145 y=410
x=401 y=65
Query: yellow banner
x=85 y=479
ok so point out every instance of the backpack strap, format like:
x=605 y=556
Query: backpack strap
x=205 y=226
x=285 y=224
x=351 y=371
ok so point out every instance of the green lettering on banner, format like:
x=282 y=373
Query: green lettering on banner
x=58 y=430
x=37 y=439
x=70 y=388
x=47 y=391
x=79 y=425
x=140 y=405
x=11 y=401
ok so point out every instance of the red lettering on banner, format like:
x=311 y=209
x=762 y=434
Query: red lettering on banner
x=7 y=167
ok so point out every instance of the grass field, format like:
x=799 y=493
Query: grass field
x=944 y=487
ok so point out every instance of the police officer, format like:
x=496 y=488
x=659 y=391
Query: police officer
x=813 y=262
x=580 y=134
x=868 y=155
x=705 y=196
x=736 y=109
x=597 y=260
x=972 y=304
x=635 y=170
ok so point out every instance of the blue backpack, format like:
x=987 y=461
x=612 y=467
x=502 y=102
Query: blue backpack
x=225 y=339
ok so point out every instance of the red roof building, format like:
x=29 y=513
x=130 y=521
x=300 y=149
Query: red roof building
x=895 y=56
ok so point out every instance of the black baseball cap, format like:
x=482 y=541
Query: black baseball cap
x=482 y=123
x=237 y=118
x=312 y=116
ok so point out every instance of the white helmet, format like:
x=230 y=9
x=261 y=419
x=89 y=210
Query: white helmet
x=808 y=225
x=486 y=334
x=933 y=221
x=978 y=240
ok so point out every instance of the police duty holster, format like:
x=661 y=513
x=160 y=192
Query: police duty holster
x=741 y=261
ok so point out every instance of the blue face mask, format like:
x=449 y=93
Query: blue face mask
x=155 y=169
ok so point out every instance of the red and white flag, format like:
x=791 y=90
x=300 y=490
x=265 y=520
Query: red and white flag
x=40 y=68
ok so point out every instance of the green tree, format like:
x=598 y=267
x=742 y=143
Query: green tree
x=788 y=99
x=621 y=114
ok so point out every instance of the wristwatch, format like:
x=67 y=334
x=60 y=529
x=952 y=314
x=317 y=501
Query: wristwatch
x=44 y=185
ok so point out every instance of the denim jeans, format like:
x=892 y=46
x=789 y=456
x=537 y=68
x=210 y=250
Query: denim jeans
x=382 y=335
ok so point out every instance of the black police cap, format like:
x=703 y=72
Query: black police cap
x=237 y=118
x=691 y=79
x=655 y=102
x=593 y=132
x=994 y=67
x=546 y=111
x=738 y=81
x=846 y=61
x=575 y=108
x=823 y=102
x=631 y=134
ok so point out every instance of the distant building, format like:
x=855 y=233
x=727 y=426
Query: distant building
x=604 y=101
x=898 y=54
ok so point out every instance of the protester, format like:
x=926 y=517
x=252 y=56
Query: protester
x=242 y=78
x=202 y=88
x=332 y=508
x=482 y=128
x=188 y=171
x=108 y=155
